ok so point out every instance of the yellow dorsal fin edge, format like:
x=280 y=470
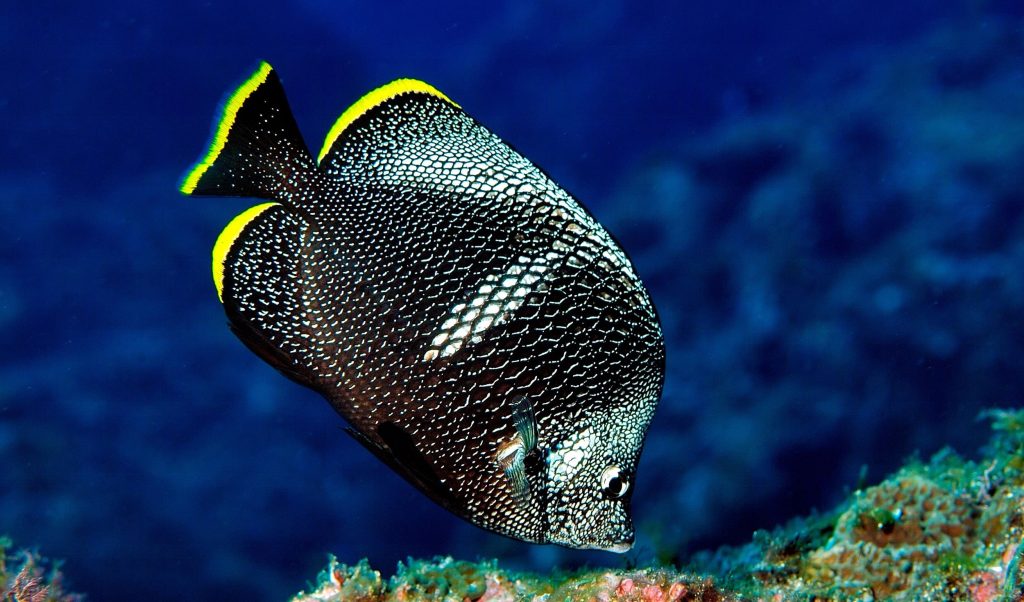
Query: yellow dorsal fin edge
x=220 y=138
x=372 y=99
x=227 y=238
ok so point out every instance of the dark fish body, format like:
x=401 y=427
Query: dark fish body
x=480 y=331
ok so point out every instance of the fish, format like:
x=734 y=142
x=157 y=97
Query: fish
x=480 y=332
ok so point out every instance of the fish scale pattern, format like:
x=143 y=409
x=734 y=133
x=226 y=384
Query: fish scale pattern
x=444 y=276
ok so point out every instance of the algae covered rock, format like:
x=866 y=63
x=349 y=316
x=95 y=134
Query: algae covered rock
x=343 y=582
x=949 y=529
x=25 y=576
x=449 y=580
x=946 y=530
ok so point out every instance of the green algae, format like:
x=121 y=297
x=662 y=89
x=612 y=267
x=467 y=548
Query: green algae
x=442 y=579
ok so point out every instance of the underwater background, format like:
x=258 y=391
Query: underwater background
x=826 y=200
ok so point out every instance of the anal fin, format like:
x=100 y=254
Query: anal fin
x=414 y=463
x=400 y=453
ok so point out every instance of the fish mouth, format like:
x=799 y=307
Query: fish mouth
x=619 y=548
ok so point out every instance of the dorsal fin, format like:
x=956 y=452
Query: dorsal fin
x=408 y=138
x=256 y=150
x=374 y=100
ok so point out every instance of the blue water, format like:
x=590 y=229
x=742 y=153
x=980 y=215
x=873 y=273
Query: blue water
x=825 y=198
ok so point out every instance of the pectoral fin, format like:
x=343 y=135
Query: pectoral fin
x=512 y=455
x=526 y=422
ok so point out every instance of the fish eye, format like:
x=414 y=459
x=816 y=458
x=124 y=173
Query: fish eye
x=614 y=482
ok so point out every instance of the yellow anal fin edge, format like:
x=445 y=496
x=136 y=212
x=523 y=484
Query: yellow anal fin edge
x=220 y=137
x=373 y=99
x=227 y=239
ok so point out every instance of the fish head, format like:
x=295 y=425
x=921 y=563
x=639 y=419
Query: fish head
x=590 y=481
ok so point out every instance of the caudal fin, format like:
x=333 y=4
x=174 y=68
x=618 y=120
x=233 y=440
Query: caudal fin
x=257 y=150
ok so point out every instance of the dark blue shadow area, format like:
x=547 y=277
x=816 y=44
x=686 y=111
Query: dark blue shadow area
x=826 y=200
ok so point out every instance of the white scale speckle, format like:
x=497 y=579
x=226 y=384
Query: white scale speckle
x=492 y=304
x=565 y=460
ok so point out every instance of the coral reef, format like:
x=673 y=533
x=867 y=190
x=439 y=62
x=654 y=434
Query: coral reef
x=27 y=577
x=950 y=529
x=449 y=580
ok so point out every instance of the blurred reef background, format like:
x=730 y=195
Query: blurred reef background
x=826 y=200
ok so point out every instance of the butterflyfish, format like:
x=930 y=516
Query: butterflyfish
x=481 y=333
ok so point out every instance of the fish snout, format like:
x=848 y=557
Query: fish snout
x=619 y=542
x=621 y=547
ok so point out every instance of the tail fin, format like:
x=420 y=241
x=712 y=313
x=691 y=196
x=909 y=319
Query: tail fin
x=257 y=149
